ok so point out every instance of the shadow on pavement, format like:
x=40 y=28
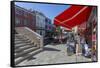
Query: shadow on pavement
x=31 y=58
x=50 y=49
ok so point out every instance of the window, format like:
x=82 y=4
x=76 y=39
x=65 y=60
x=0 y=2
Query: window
x=25 y=14
x=17 y=20
x=25 y=22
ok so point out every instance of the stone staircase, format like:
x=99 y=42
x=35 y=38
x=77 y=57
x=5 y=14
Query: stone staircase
x=24 y=48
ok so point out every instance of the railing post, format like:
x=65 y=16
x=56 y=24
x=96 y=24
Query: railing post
x=41 y=43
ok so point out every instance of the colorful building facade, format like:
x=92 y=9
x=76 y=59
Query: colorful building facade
x=24 y=17
x=34 y=20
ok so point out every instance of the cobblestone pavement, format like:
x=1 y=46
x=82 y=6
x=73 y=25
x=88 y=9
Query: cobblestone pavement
x=54 y=54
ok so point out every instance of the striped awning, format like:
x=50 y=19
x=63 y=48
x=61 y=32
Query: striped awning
x=73 y=16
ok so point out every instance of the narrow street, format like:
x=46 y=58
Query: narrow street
x=53 y=54
x=40 y=36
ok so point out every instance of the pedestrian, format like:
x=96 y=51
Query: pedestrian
x=78 y=45
x=86 y=50
x=82 y=44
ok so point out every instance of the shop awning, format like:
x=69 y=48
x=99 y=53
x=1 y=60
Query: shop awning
x=73 y=16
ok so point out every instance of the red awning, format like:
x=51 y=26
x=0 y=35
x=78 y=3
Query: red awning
x=73 y=16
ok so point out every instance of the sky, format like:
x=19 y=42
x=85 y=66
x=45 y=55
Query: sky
x=49 y=10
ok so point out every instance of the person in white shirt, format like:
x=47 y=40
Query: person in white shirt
x=86 y=49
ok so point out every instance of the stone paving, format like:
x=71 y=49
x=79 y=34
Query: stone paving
x=53 y=54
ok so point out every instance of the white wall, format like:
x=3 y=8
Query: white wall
x=40 y=23
x=5 y=34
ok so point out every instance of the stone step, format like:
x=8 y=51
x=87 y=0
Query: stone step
x=22 y=44
x=16 y=38
x=21 y=59
x=23 y=48
x=25 y=52
x=19 y=42
x=18 y=35
x=21 y=39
